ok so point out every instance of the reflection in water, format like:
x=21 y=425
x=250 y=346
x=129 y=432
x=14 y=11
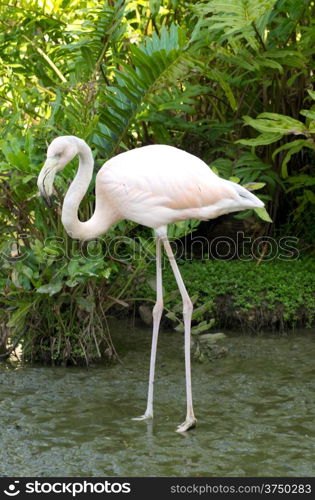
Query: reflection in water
x=255 y=411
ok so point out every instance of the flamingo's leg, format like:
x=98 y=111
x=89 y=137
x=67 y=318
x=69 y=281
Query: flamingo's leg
x=190 y=421
x=157 y=313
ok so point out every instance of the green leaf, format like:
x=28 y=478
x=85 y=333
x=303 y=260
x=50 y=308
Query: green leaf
x=263 y=214
x=261 y=140
x=243 y=215
x=18 y=315
x=71 y=283
x=51 y=288
x=274 y=122
x=254 y=186
x=269 y=63
x=201 y=327
x=73 y=267
x=293 y=147
x=221 y=78
x=28 y=178
x=310 y=196
x=289 y=145
x=27 y=271
x=172 y=316
x=308 y=113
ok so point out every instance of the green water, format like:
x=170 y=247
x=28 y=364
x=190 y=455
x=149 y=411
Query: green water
x=255 y=411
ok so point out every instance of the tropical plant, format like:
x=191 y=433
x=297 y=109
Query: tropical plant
x=273 y=127
x=122 y=74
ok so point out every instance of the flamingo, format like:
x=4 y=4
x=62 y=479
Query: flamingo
x=153 y=185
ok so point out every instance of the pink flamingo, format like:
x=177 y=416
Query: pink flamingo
x=155 y=186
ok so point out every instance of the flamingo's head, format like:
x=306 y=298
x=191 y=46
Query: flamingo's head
x=59 y=153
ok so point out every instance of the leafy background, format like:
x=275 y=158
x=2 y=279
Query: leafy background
x=230 y=81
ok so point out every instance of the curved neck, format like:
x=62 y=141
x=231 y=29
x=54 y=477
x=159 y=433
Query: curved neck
x=100 y=220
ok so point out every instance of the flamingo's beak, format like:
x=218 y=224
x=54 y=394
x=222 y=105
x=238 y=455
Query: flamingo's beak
x=46 y=177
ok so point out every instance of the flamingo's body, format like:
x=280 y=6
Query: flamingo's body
x=154 y=186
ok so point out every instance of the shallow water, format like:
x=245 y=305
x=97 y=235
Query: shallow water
x=255 y=411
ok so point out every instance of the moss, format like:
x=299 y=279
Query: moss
x=275 y=294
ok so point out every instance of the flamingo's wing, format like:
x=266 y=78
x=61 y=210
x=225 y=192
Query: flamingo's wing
x=161 y=176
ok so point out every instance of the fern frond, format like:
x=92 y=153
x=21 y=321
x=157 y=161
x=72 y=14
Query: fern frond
x=236 y=19
x=159 y=62
x=95 y=38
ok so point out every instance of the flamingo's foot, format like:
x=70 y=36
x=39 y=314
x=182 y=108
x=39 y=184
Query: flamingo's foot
x=146 y=416
x=189 y=423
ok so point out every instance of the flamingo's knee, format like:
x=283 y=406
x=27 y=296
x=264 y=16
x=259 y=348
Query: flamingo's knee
x=157 y=310
x=187 y=307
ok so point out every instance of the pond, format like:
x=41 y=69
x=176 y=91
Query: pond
x=255 y=411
